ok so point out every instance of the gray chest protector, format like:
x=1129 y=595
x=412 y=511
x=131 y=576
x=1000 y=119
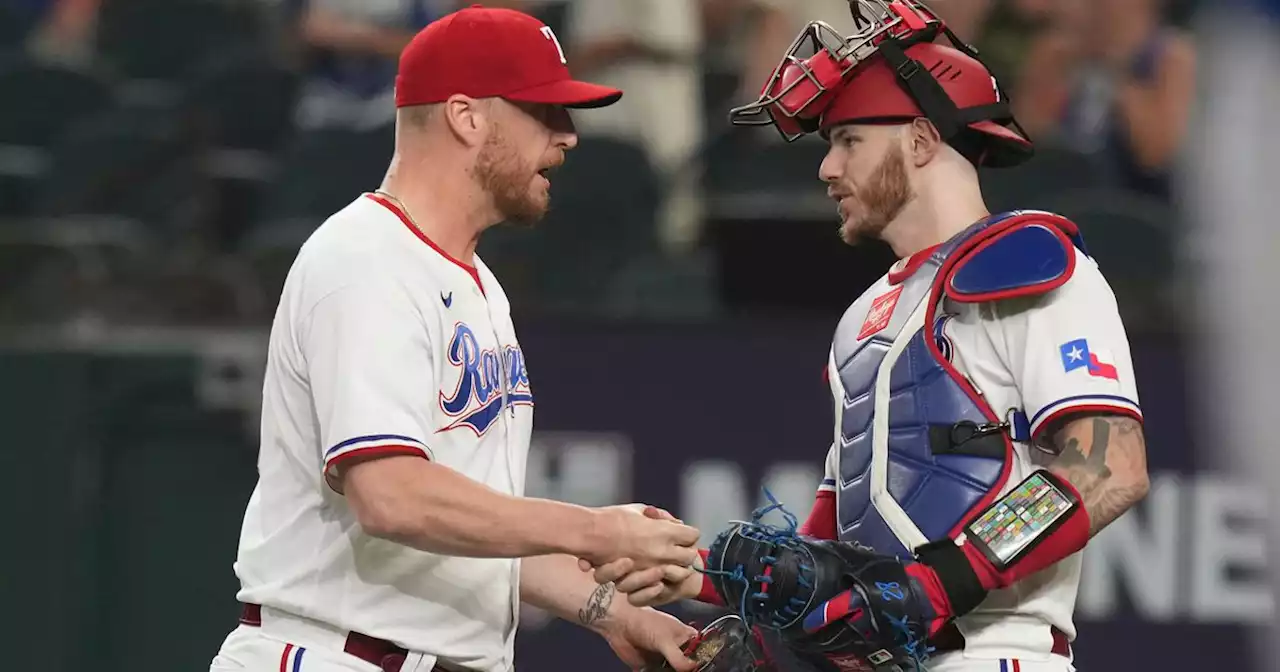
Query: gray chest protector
x=920 y=450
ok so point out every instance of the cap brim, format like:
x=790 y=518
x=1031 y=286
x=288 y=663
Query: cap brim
x=1002 y=132
x=1004 y=147
x=569 y=93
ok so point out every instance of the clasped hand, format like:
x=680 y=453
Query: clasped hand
x=652 y=579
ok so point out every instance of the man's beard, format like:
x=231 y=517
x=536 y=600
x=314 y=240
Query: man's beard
x=880 y=200
x=507 y=179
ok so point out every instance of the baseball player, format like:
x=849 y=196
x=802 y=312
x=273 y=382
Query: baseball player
x=987 y=423
x=388 y=523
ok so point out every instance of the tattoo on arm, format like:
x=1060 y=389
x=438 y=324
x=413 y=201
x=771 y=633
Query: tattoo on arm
x=1105 y=459
x=597 y=606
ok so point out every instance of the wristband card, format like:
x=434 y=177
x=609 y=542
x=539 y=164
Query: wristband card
x=1015 y=522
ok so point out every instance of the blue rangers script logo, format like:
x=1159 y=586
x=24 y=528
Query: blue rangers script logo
x=477 y=400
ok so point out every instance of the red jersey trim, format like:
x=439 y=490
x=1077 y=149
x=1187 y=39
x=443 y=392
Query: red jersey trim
x=404 y=217
x=1086 y=407
x=333 y=468
x=913 y=264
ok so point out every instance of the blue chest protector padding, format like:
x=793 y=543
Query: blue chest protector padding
x=947 y=452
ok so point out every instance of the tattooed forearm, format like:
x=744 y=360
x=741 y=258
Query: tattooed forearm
x=597 y=605
x=1105 y=459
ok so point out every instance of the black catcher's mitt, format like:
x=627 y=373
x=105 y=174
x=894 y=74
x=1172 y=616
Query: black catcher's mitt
x=839 y=605
x=727 y=645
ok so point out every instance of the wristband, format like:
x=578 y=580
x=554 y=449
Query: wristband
x=708 y=594
x=1036 y=524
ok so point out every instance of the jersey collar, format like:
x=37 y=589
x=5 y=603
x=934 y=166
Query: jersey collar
x=404 y=218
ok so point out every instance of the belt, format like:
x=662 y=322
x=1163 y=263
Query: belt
x=379 y=652
x=950 y=639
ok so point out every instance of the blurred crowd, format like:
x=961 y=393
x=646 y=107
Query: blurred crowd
x=160 y=160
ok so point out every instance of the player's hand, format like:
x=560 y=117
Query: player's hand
x=645 y=635
x=648 y=536
x=655 y=586
x=652 y=587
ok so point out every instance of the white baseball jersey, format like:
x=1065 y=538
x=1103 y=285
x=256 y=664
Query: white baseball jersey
x=384 y=345
x=1062 y=352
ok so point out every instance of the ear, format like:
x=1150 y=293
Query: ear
x=923 y=142
x=467 y=118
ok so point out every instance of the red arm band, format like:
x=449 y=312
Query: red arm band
x=821 y=523
x=958 y=577
x=708 y=593
x=1070 y=538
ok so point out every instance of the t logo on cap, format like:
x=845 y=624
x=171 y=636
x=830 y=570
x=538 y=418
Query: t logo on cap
x=551 y=35
x=486 y=52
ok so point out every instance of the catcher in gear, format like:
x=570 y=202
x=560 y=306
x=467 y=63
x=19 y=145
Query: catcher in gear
x=986 y=423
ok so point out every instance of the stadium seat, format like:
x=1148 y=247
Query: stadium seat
x=120 y=184
x=318 y=173
x=322 y=171
x=240 y=110
x=664 y=287
x=171 y=469
x=267 y=252
x=126 y=163
x=15 y=25
x=756 y=159
x=752 y=174
x=603 y=212
x=719 y=88
x=243 y=101
x=161 y=42
x=53 y=459
x=1034 y=184
x=40 y=103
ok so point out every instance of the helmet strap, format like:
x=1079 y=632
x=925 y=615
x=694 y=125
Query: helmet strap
x=938 y=107
x=924 y=88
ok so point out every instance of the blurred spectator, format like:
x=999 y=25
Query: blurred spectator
x=750 y=37
x=1114 y=80
x=65 y=29
x=649 y=49
x=1002 y=30
x=352 y=47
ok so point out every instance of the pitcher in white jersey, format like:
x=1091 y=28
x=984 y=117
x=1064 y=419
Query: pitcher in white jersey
x=987 y=423
x=388 y=523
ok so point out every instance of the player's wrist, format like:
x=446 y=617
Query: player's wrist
x=947 y=573
x=616 y=618
x=594 y=536
x=706 y=591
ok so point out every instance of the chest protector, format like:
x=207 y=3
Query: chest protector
x=920 y=450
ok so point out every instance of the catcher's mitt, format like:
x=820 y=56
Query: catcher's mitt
x=829 y=600
x=727 y=645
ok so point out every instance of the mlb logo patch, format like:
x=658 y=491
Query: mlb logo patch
x=880 y=314
x=1077 y=355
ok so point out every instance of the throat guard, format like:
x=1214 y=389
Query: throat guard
x=920 y=450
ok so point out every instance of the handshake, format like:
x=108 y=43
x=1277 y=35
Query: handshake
x=652 y=556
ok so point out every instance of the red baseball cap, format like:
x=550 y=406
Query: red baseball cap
x=486 y=52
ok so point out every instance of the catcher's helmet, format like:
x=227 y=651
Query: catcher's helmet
x=890 y=72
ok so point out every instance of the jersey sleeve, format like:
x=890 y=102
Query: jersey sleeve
x=1068 y=351
x=370 y=368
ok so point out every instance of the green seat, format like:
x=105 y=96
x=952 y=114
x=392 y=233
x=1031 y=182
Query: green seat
x=52 y=461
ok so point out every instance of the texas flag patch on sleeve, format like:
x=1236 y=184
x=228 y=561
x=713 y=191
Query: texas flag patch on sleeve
x=1077 y=355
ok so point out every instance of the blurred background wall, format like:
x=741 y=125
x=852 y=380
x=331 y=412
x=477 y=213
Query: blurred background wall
x=161 y=161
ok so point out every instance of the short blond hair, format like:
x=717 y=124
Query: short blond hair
x=416 y=116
